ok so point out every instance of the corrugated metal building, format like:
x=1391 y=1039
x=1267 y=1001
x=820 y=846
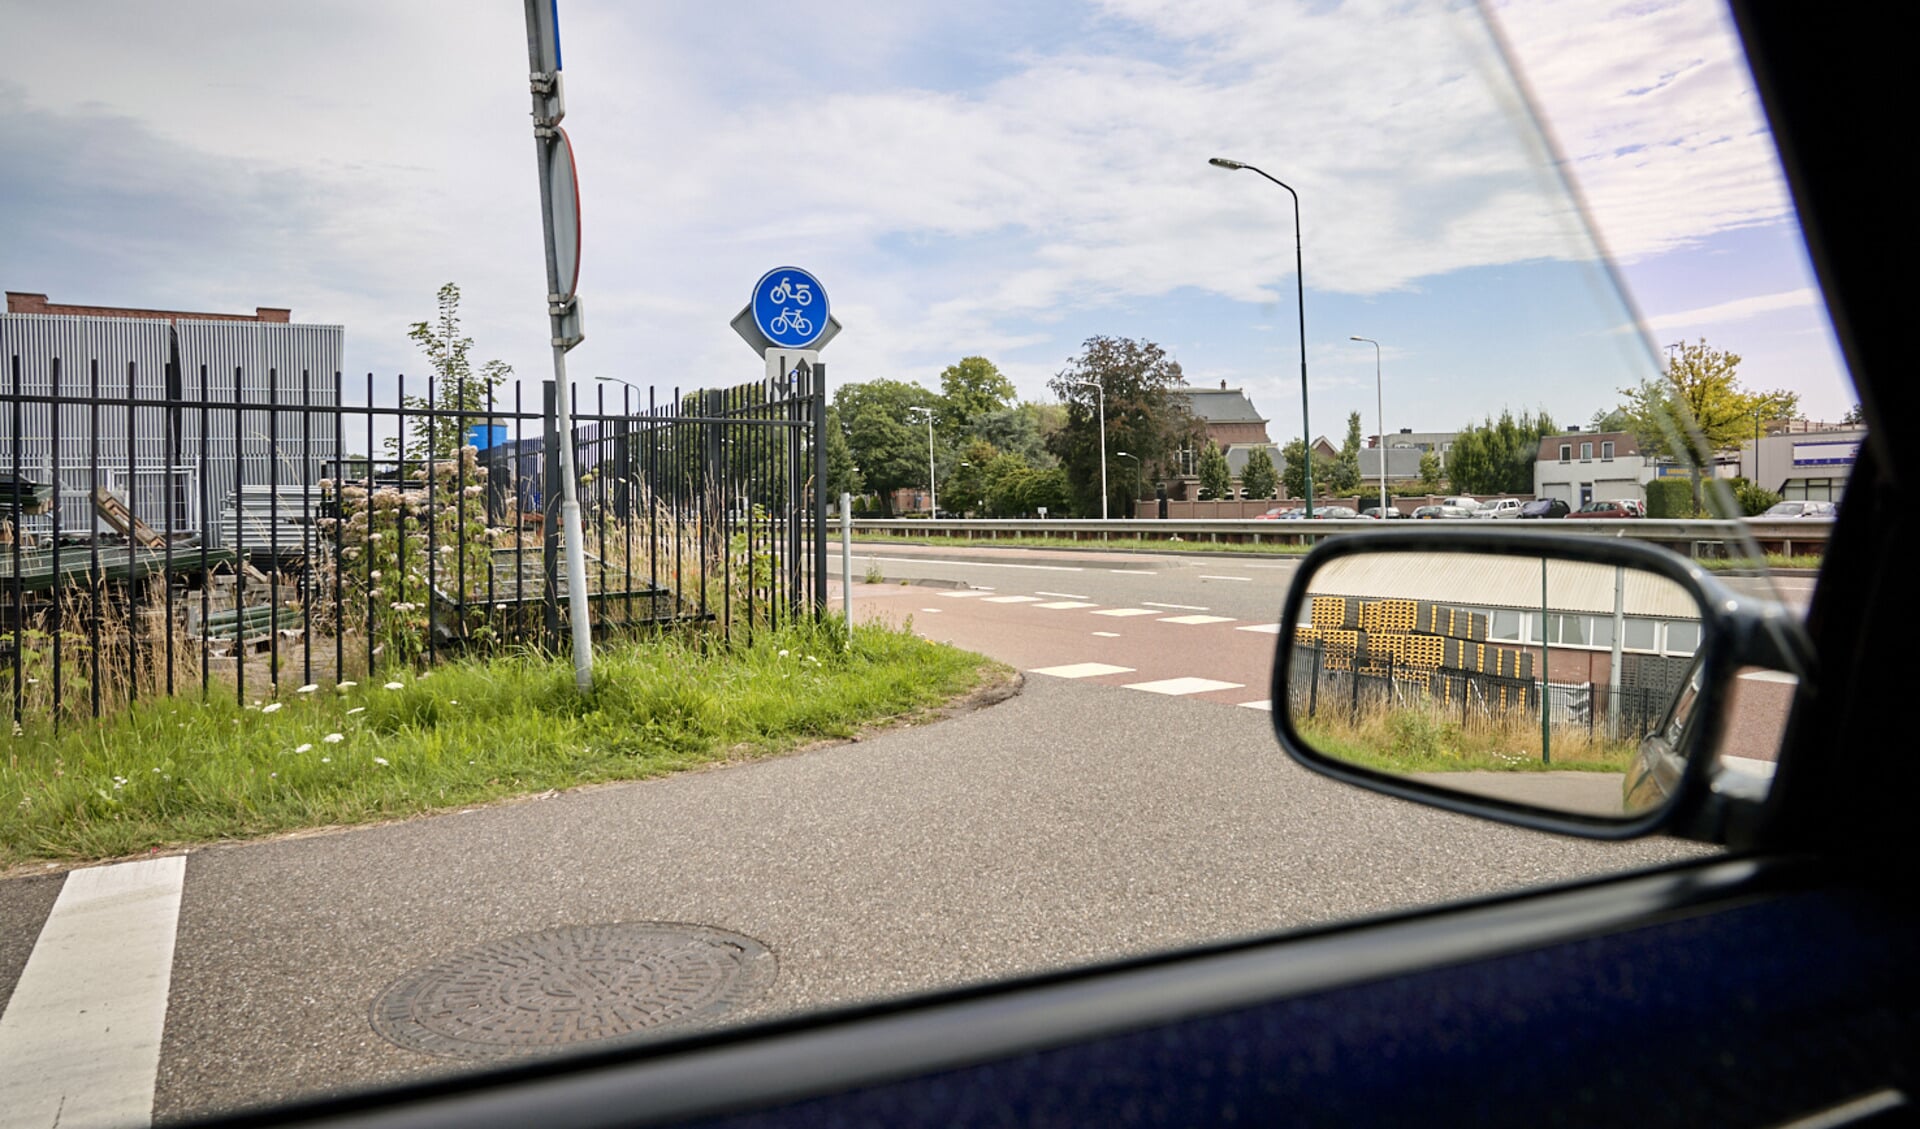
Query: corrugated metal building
x=177 y=456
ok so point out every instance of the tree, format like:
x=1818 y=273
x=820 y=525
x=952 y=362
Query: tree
x=1854 y=417
x=1431 y=479
x=1497 y=457
x=456 y=387
x=1293 y=466
x=969 y=389
x=1146 y=415
x=843 y=475
x=1343 y=476
x=1698 y=407
x=1015 y=431
x=964 y=489
x=1216 y=478
x=886 y=444
x=1258 y=478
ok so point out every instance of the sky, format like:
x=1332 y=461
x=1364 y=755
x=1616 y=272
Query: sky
x=994 y=179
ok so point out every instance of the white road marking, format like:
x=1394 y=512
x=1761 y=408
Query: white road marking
x=1262 y=628
x=1178 y=686
x=1061 y=595
x=1197 y=619
x=935 y=611
x=976 y=564
x=1082 y=670
x=1010 y=600
x=1133 y=572
x=1262 y=705
x=1290 y=564
x=1182 y=607
x=80 y=1040
x=1060 y=604
x=1771 y=676
x=1241 y=579
x=963 y=593
x=1108 y=634
x=1124 y=612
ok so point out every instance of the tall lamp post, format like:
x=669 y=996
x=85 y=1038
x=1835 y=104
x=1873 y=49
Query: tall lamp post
x=1380 y=407
x=1102 y=409
x=1300 y=285
x=933 y=495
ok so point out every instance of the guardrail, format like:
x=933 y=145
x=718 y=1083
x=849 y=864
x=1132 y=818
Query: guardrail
x=1694 y=538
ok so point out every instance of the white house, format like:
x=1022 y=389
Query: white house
x=1591 y=466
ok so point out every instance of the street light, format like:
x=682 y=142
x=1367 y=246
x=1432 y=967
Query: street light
x=1380 y=406
x=933 y=496
x=1300 y=281
x=1097 y=387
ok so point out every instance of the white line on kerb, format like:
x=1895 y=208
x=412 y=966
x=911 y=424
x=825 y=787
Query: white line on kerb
x=1241 y=579
x=80 y=1040
x=1061 y=595
x=1182 y=607
x=974 y=564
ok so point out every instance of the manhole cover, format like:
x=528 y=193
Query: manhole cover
x=561 y=987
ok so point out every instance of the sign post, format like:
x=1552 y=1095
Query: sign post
x=560 y=218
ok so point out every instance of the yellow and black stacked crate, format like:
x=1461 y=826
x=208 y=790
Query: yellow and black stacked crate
x=1374 y=636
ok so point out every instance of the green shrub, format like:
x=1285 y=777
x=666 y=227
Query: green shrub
x=1670 y=497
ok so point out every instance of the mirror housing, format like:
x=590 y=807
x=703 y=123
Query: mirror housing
x=1701 y=800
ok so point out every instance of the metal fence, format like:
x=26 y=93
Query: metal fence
x=1470 y=698
x=240 y=532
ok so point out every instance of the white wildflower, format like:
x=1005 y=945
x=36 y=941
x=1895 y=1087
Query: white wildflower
x=355 y=710
x=308 y=688
x=381 y=761
x=345 y=686
x=326 y=760
x=270 y=707
x=306 y=748
x=783 y=653
x=396 y=686
x=334 y=738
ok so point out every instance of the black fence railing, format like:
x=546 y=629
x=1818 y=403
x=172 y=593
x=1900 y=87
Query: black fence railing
x=235 y=532
x=1469 y=698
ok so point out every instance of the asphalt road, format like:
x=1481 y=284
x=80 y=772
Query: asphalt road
x=1077 y=821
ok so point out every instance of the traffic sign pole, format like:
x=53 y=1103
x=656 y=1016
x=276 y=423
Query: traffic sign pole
x=560 y=218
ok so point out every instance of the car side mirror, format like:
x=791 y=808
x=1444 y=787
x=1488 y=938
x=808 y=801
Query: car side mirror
x=1569 y=684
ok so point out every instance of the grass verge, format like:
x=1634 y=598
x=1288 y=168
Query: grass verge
x=1774 y=560
x=176 y=772
x=1117 y=544
x=1413 y=740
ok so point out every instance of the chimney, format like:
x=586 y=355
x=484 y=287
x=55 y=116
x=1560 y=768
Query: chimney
x=1574 y=430
x=1406 y=431
x=1223 y=386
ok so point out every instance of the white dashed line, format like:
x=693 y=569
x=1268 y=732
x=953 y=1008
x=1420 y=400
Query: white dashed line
x=1261 y=705
x=1122 y=613
x=1262 y=628
x=81 y=1035
x=1197 y=619
x=1061 y=595
x=1133 y=572
x=1241 y=579
x=1182 y=607
x=1082 y=670
x=976 y=564
x=963 y=593
x=1010 y=600
x=1108 y=634
x=1180 y=686
x=935 y=611
x=1062 y=604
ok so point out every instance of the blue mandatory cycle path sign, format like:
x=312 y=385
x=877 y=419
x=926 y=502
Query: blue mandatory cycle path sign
x=790 y=307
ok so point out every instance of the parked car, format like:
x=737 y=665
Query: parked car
x=1801 y=509
x=1461 y=501
x=1545 y=508
x=1442 y=512
x=1388 y=513
x=1335 y=513
x=1638 y=507
x=1281 y=513
x=1609 y=509
x=1499 y=508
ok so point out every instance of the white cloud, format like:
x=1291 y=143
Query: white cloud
x=1740 y=309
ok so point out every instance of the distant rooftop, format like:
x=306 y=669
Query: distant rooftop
x=19 y=302
x=1220 y=405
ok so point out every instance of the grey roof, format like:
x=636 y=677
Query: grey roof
x=1220 y=405
x=1402 y=462
x=1484 y=580
x=1422 y=438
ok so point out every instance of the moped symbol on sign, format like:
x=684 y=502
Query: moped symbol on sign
x=790 y=307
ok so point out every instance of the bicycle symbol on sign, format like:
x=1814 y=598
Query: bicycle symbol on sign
x=792 y=321
x=799 y=293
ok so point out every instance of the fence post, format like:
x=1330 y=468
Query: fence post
x=550 y=488
x=1313 y=691
x=817 y=388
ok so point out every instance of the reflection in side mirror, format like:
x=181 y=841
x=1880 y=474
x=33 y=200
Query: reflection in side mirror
x=1565 y=686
